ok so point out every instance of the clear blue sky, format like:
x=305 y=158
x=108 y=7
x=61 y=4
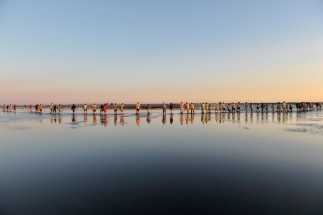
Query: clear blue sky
x=130 y=50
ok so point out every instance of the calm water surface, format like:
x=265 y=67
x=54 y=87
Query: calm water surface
x=178 y=164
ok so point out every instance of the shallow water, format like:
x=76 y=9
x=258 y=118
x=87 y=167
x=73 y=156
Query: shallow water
x=178 y=164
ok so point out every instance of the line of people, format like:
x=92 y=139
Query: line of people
x=183 y=107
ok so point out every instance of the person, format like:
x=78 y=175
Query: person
x=115 y=108
x=251 y=107
x=192 y=108
x=238 y=107
x=266 y=106
x=258 y=107
x=246 y=106
x=85 y=108
x=105 y=108
x=164 y=108
x=290 y=107
x=171 y=107
x=273 y=107
x=229 y=107
x=40 y=108
x=207 y=108
x=54 y=109
x=59 y=109
x=14 y=108
x=73 y=108
x=51 y=108
x=137 y=108
x=262 y=107
x=182 y=107
x=233 y=107
x=94 y=108
x=284 y=106
x=202 y=108
x=187 y=106
x=101 y=108
x=121 y=108
x=148 y=109
x=30 y=108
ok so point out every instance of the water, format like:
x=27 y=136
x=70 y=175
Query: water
x=205 y=164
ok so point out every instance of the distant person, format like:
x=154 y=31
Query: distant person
x=171 y=107
x=94 y=107
x=121 y=108
x=181 y=106
x=51 y=108
x=187 y=106
x=73 y=108
x=137 y=108
x=202 y=108
x=85 y=108
x=238 y=107
x=115 y=108
x=192 y=107
x=54 y=109
x=14 y=108
x=59 y=108
x=251 y=107
x=148 y=109
x=246 y=106
x=164 y=108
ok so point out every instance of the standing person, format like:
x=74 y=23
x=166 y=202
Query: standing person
x=187 y=106
x=290 y=107
x=101 y=108
x=73 y=108
x=258 y=108
x=246 y=106
x=14 y=108
x=115 y=108
x=94 y=107
x=284 y=106
x=251 y=107
x=121 y=108
x=171 y=107
x=137 y=108
x=192 y=108
x=85 y=108
x=266 y=106
x=273 y=107
x=54 y=109
x=182 y=107
x=148 y=109
x=202 y=108
x=105 y=108
x=40 y=108
x=238 y=107
x=233 y=107
x=59 y=107
x=262 y=107
x=207 y=108
x=164 y=108
x=30 y=108
x=51 y=108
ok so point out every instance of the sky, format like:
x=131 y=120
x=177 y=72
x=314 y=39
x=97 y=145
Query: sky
x=81 y=51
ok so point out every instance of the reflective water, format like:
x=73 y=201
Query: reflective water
x=177 y=164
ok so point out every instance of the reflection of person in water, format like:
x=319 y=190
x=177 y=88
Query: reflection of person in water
x=164 y=119
x=148 y=118
x=188 y=119
x=115 y=119
x=192 y=118
x=122 y=120
x=94 y=120
x=138 y=120
x=182 y=119
x=171 y=120
x=73 y=118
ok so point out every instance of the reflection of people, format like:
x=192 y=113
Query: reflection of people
x=164 y=119
x=192 y=118
x=171 y=120
x=182 y=119
x=122 y=120
x=73 y=118
x=148 y=119
x=138 y=120
x=115 y=119
x=94 y=119
x=188 y=119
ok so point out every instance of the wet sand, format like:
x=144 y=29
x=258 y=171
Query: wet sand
x=174 y=164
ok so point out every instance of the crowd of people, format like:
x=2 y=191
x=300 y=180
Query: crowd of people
x=183 y=107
